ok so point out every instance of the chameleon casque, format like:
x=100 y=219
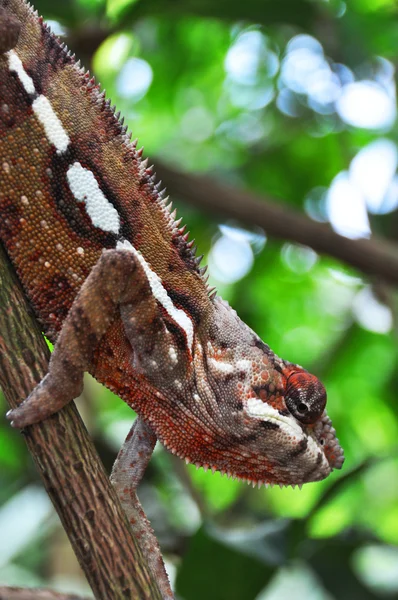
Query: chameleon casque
x=116 y=285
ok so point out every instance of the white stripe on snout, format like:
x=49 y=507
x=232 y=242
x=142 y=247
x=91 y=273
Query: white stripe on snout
x=161 y=295
x=85 y=188
x=261 y=410
x=55 y=132
x=15 y=64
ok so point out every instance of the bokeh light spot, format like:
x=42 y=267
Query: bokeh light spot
x=134 y=79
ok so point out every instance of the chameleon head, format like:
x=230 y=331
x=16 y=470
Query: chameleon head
x=250 y=414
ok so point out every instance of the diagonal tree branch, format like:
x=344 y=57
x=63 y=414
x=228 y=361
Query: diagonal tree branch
x=70 y=468
x=18 y=593
x=377 y=257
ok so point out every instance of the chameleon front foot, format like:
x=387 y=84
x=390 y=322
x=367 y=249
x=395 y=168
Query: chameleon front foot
x=115 y=278
x=46 y=399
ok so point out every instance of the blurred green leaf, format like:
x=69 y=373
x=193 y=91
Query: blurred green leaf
x=114 y=8
x=218 y=491
x=243 y=561
x=336 y=557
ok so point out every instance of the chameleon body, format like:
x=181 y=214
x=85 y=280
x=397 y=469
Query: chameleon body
x=116 y=285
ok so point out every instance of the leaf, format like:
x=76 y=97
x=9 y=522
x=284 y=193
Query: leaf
x=237 y=563
x=114 y=8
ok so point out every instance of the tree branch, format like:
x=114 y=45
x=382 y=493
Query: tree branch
x=374 y=256
x=18 y=593
x=70 y=468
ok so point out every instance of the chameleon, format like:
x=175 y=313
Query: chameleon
x=116 y=285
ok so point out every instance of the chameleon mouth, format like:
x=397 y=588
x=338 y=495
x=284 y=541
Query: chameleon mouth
x=325 y=435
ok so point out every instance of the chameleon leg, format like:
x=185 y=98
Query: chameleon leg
x=127 y=472
x=116 y=279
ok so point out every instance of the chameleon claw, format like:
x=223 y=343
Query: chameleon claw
x=10 y=416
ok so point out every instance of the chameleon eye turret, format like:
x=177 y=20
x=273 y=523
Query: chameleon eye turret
x=305 y=396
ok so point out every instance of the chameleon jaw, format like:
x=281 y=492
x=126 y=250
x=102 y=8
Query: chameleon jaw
x=329 y=450
x=319 y=440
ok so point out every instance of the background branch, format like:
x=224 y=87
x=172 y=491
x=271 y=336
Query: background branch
x=372 y=256
x=70 y=468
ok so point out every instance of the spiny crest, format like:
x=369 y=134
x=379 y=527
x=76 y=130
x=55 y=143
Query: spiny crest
x=146 y=175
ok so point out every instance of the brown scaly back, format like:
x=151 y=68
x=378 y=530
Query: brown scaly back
x=56 y=56
x=99 y=141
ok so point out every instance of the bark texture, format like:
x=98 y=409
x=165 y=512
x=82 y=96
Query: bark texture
x=18 y=593
x=71 y=470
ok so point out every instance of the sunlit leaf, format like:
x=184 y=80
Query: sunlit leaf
x=114 y=8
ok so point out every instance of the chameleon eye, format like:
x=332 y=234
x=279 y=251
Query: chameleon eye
x=305 y=397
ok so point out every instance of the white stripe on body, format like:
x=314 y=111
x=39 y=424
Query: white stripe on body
x=85 y=188
x=161 y=295
x=42 y=108
x=15 y=64
x=53 y=128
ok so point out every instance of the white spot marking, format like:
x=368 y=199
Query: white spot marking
x=261 y=410
x=223 y=367
x=53 y=127
x=173 y=355
x=160 y=293
x=80 y=250
x=244 y=365
x=196 y=397
x=15 y=64
x=85 y=188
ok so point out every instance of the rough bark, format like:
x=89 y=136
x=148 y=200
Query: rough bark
x=70 y=468
x=376 y=257
x=18 y=593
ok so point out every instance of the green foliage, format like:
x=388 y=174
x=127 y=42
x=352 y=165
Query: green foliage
x=239 y=563
x=165 y=65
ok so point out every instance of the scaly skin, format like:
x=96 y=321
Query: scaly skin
x=73 y=185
